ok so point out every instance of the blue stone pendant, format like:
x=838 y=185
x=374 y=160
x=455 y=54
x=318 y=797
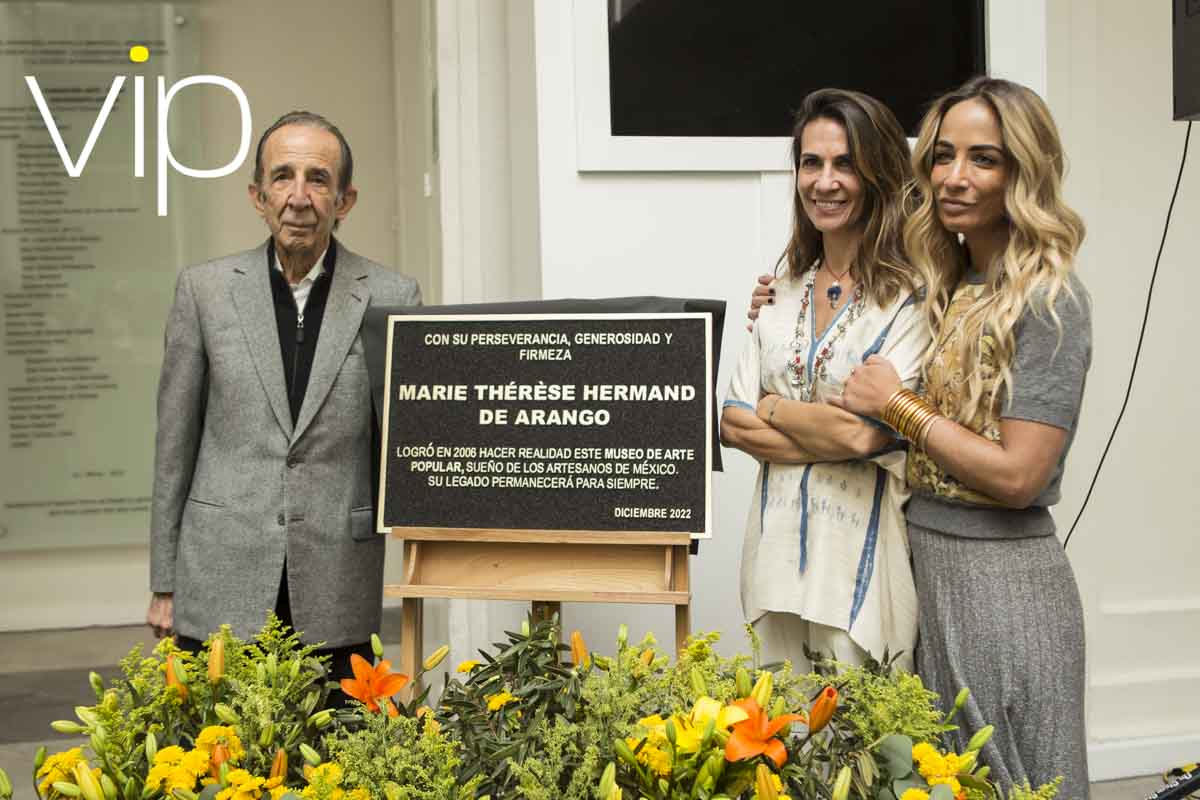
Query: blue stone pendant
x=833 y=293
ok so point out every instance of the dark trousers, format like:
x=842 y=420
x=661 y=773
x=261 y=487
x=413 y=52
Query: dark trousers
x=339 y=657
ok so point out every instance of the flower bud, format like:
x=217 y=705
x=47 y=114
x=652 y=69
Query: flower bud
x=960 y=699
x=436 y=657
x=86 y=715
x=279 y=764
x=267 y=735
x=646 y=657
x=66 y=789
x=67 y=726
x=983 y=772
x=322 y=719
x=608 y=780
x=622 y=635
x=822 y=709
x=151 y=747
x=218 y=756
x=621 y=748
x=763 y=687
x=981 y=738
x=698 y=684
x=176 y=676
x=966 y=762
x=311 y=756
x=525 y=628
x=39 y=758
x=391 y=791
x=841 y=786
x=97 y=684
x=226 y=714
x=741 y=683
x=108 y=787
x=216 y=660
x=579 y=651
x=272 y=666
x=86 y=783
x=764 y=787
x=376 y=645
x=6 y=787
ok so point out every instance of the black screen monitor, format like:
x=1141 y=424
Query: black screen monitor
x=1185 y=16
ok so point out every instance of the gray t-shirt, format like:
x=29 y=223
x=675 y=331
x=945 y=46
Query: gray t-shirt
x=1048 y=375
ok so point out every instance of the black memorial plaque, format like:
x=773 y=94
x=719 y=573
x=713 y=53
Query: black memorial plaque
x=548 y=422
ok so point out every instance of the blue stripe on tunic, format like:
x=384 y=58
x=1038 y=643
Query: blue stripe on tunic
x=739 y=404
x=866 y=563
x=762 y=509
x=804 y=518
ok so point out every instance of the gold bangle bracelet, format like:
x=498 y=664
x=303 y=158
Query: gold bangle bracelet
x=910 y=416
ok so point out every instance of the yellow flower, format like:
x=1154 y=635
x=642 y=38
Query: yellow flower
x=499 y=700
x=58 y=767
x=915 y=794
x=213 y=735
x=921 y=750
x=951 y=764
x=169 y=755
x=359 y=794
x=178 y=778
x=707 y=708
x=652 y=756
x=466 y=666
x=244 y=786
x=931 y=765
x=195 y=762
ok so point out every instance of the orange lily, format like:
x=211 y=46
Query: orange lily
x=822 y=709
x=372 y=684
x=579 y=651
x=756 y=734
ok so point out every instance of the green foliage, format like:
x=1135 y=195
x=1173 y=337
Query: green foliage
x=400 y=757
x=1044 y=792
x=498 y=710
x=273 y=685
x=878 y=700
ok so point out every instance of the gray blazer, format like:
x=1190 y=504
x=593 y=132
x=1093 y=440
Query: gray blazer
x=237 y=487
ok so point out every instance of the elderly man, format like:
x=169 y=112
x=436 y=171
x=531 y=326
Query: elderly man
x=263 y=457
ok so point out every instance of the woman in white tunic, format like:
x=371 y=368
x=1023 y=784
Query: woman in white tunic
x=825 y=562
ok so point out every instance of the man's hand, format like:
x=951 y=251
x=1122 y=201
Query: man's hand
x=764 y=294
x=161 y=615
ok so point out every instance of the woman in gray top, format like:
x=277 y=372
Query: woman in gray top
x=999 y=609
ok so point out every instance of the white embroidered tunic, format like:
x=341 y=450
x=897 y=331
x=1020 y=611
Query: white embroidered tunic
x=828 y=541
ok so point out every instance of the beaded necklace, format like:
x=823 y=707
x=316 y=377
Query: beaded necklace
x=798 y=372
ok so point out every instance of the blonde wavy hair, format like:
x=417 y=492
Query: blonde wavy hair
x=879 y=153
x=1044 y=234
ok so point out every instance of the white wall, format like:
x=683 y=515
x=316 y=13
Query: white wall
x=1109 y=86
x=313 y=59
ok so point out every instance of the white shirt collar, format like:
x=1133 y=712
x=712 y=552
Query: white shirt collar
x=317 y=270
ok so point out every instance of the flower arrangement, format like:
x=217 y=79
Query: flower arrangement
x=531 y=717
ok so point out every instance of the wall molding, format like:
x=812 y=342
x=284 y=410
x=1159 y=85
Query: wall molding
x=1117 y=759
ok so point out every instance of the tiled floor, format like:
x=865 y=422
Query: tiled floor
x=43 y=676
